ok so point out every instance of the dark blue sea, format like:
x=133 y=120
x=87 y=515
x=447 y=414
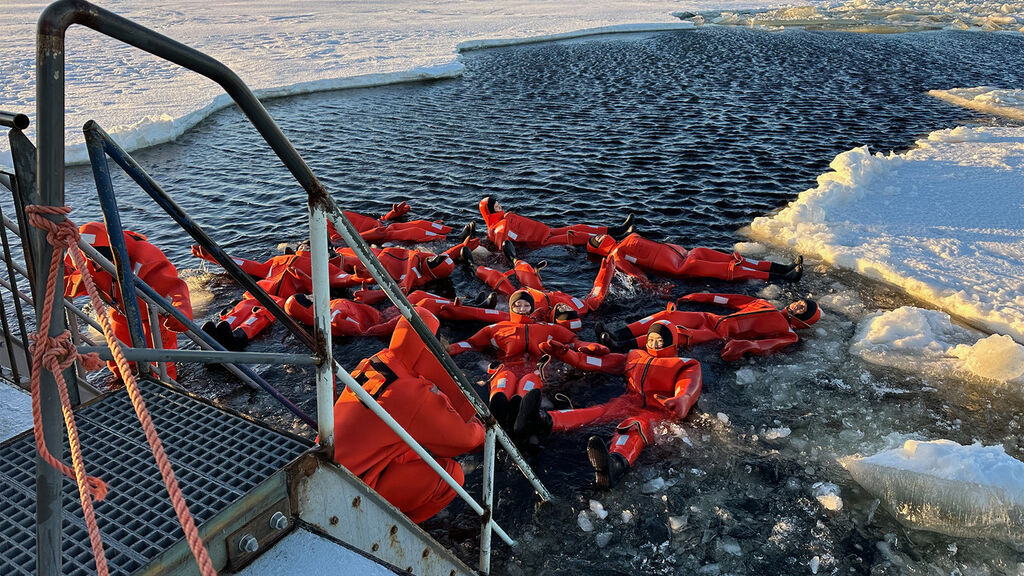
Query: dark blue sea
x=696 y=133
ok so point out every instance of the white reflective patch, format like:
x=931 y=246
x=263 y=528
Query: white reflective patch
x=686 y=359
x=493 y=343
x=529 y=386
x=593 y=361
x=436 y=226
x=489 y=311
x=137 y=267
x=721 y=300
x=250 y=321
x=500 y=383
x=631 y=258
x=230 y=319
x=575 y=324
x=416 y=272
x=352 y=320
x=512 y=235
x=90 y=239
x=648 y=319
x=464 y=345
x=577 y=302
x=402 y=277
x=238 y=261
x=429 y=233
x=448 y=260
x=439 y=301
x=335 y=314
x=622 y=440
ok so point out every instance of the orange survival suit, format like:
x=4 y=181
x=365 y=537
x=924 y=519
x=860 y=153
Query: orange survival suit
x=545 y=300
x=386 y=229
x=502 y=226
x=516 y=373
x=348 y=318
x=411 y=385
x=756 y=327
x=152 y=267
x=659 y=385
x=636 y=255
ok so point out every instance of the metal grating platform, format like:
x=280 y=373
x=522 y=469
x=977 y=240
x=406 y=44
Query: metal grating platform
x=217 y=457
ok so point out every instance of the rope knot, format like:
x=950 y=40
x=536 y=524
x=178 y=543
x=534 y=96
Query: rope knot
x=60 y=233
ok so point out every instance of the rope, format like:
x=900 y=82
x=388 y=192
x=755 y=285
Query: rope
x=57 y=353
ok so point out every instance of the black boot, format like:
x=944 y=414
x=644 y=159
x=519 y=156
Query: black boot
x=509 y=250
x=467 y=232
x=530 y=420
x=466 y=257
x=616 y=339
x=498 y=406
x=785 y=273
x=238 y=341
x=609 y=467
x=625 y=229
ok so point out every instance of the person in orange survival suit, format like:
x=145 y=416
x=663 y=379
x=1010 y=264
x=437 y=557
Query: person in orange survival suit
x=516 y=373
x=408 y=382
x=348 y=318
x=411 y=269
x=659 y=385
x=636 y=255
x=505 y=226
x=152 y=267
x=528 y=277
x=300 y=260
x=387 y=228
x=756 y=327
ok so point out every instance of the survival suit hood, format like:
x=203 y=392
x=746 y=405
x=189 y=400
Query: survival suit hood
x=409 y=349
x=806 y=318
x=600 y=245
x=565 y=316
x=491 y=211
x=667 y=332
x=515 y=297
x=440 y=266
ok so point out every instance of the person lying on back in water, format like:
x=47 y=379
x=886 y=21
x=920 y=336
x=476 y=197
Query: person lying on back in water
x=636 y=256
x=659 y=386
x=756 y=327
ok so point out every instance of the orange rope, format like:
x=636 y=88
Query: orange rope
x=59 y=353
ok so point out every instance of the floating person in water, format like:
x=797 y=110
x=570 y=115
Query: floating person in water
x=505 y=226
x=152 y=267
x=517 y=340
x=348 y=318
x=659 y=386
x=756 y=327
x=389 y=228
x=528 y=278
x=636 y=256
x=408 y=382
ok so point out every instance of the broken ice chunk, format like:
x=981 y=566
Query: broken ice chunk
x=584 y=521
x=827 y=495
x=653 y=486
x=598 y=509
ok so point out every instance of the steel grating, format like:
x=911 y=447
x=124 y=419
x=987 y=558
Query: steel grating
x=217 y=457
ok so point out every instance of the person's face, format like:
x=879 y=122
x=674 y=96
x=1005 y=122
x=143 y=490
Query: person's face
x=655 y=341
x=798 y=307
x=521 y=307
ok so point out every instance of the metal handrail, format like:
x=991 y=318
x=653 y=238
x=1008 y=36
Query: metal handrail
x=50 y=53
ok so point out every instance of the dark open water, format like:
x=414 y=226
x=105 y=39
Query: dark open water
x=696 y=133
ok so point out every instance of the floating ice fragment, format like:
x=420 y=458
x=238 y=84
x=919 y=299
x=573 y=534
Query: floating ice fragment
x=603 y=538
x=723 y=417
x=776 y=433
x=626 y=516
x=676 y=523
x=827 y=495
x=598 y=509
x=970 y=491
x=584 y=521
x=729 y=545
x=745 y=376
x=814 y=563
x=653 y=486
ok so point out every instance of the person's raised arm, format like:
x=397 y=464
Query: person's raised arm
x=687 y=389
x=607 y=363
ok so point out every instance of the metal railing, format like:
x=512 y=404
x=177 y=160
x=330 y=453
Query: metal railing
x=53 y=23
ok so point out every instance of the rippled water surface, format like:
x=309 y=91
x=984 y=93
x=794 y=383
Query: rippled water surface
x=696 y=133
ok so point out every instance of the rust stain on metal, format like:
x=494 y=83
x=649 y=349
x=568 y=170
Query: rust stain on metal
x=375 y=547
x=426 y=552
x=356 y=501
x=333 y=520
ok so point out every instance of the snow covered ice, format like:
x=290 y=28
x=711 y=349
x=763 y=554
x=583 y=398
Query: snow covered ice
x=972 y=491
